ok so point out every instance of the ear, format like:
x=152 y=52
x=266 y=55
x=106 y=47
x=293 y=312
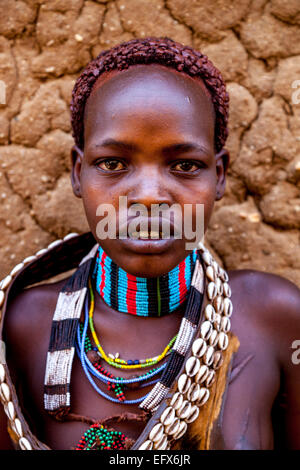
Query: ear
x=76 y=162
x=222 y=164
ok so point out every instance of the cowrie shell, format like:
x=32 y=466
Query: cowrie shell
x=2 y=297
x=184 y=383
x=70 y=235
x=203 y=397
x=213 y=339
x=210 y=273
x=210 y=378
x=193 y=414
x=10 y=410
x=25 y=444
x=4 y=392
x=147 y=445
x=156 y=432
x=2 y=373
x=18 y=427
x=162 y=443
x=209 y=313
x=202 y=374
x=184 y=410
x=173 y=428
x=218 y=303
x=207 y=257
x=181 y=431
x=199 y=347
x=223 y=341
x=224 y=275
x=226 y=289
x=54 y=244
x=211 y=290
x=29 y=259
x=16 y=269
x=217 y=322
x=175 y=403
x=206 y=330
x=227 y=307
x=218 y=360
x=168 y=415
x=219 y=286
x=193 y=392
x=6 y=281
x=192 y=366
x=225 y=324
x=208 y=356
x=41 y=252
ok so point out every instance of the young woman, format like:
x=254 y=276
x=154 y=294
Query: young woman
x=134 y=350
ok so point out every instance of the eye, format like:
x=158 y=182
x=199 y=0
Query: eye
x=187 y=166
x=110 y=164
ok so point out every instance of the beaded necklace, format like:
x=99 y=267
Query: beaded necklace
x=143 y=296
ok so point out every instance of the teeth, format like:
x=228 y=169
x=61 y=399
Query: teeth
x=144 y=234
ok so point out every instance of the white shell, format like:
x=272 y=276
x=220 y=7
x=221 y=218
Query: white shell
x=201 y=247
x=193 y=414
x=224 y=275
x=208 y=356
x=173 y=428
x=193 y=392
x=70 y=235
x=24 y=444
x=6 y=281
x=210 y=273
x=168 y=415
x=209 y=313
x=162 y=443
x=228 y=307
x=202 y=374
x=192 y=366
x=147 y=445
x=207 y=257
x=219 y=286
x=10 y=410
x=184 y=383
x=199 y=347
x=18 y=427
x=29 y=259
x=204 y=396
x=223 y=341
x=184 y=410
x=16 y=269
x=225 y=324
x=176 y=402
x=211 y=290
x=4 y=392
x=156 y=432
x=206 y=330
x=2 y=373
x=210 y=378
x=213 y=339
x=217 y=322
x=41 y=252
x=55 y=243
x=218 y=360
x=227 y=289
x=181 y=431
x=218 y=304
x=2 y=297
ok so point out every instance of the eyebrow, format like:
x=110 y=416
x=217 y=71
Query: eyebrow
x=184 y=147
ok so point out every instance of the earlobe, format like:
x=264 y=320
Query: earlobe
x=76 y=162
x=222 y=164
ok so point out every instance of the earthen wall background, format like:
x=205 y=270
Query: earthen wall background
x=255 y=43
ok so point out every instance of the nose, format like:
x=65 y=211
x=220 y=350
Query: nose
x=149 y=186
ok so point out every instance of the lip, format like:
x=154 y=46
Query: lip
x=156 y=223
x=147 y=245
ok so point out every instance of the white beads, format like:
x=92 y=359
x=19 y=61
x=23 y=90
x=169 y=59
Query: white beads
x=2 y=297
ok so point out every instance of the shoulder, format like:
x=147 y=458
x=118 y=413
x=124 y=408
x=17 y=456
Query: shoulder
x=272 y=302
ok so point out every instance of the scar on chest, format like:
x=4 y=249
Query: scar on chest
x=236 y=370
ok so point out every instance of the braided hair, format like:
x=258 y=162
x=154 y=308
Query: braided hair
x=152 y=50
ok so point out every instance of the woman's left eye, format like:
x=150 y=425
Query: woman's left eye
x=110 y=165
x=186 y=166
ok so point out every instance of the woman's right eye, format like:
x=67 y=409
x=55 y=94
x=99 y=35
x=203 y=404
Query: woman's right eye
x=111 y=165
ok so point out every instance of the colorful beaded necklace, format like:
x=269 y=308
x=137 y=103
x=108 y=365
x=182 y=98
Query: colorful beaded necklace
x=142 y=296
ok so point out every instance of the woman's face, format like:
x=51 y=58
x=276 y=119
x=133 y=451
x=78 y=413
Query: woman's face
x=149 y=136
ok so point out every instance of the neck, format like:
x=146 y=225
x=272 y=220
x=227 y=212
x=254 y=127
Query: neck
x=147 y=297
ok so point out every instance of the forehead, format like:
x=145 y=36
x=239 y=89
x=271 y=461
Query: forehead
x=146 y=92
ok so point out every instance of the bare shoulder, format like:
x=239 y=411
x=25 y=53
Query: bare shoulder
x=272 y=302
